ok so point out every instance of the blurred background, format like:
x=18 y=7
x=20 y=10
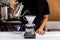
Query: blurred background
x=54 y=17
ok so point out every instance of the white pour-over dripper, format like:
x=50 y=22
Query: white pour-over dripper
x=30 y=19
x=29 y=31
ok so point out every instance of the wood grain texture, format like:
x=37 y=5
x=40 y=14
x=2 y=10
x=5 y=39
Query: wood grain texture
x=54 y=6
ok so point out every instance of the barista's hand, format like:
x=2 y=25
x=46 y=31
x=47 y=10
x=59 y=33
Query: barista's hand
x=13 y=4
x=40 y=31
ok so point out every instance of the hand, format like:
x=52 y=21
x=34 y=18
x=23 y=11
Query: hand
x=40 y=31
x=13 y=4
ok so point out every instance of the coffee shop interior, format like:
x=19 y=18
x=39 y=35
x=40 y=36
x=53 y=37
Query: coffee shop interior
x=53 y=24
x=54 y=17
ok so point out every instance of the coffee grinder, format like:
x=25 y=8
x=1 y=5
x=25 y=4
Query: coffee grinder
x=29 y=31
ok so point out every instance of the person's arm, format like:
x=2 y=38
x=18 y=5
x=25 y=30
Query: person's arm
x=40 y=30
x=45 y=13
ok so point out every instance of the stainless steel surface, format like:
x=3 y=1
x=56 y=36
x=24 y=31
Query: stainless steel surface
x=6 y=1
x=13 y=22
x=4 y=12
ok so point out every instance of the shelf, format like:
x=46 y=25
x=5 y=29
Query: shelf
x=12 y=21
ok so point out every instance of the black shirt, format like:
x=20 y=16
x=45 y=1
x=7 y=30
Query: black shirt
x=38 y=8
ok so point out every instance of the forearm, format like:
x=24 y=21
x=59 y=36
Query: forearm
x=44 y=22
